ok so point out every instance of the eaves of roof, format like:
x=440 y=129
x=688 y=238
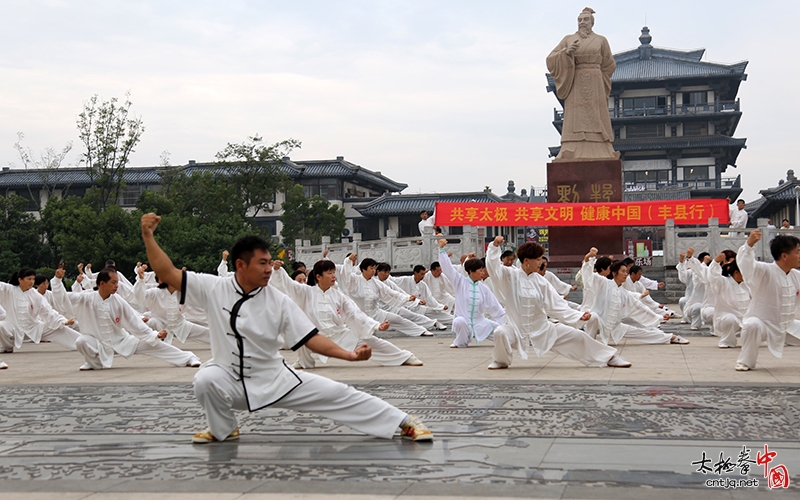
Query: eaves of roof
x=412 y=204
x=658 y=144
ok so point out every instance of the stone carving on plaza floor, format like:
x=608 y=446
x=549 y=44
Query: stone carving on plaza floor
x=582 y=65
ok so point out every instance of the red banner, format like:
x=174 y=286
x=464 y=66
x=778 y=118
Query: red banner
x=640 y=213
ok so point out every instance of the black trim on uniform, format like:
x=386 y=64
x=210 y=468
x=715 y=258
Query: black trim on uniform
x=183 y=287
x=305 y=339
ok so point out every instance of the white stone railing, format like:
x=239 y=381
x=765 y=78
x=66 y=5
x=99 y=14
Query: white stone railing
x=401 y=253
x=714 y=239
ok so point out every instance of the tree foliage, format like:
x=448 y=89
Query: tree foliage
x=310 y=218
x=109 y=133
x=46 y=166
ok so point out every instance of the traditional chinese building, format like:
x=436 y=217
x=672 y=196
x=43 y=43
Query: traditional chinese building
x=674 y=117
x=777 y=203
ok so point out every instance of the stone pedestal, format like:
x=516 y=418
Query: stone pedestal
x=583 y=182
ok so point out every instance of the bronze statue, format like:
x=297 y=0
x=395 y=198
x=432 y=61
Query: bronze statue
x=582 y=65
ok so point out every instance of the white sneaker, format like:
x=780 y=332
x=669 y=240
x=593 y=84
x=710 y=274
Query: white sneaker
x=85 y=367
x=3 y=365
x=741 y=367
x=427 y=334
x=412 y=361
x=497 y=366
x=194 y=362
x=677 y=339
x=618 y=361
x=439 y=326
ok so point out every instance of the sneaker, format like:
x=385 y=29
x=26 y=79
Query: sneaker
x=194 y=362
x=427 y=334
x=741 y=367
x=684 y=322
x=412 y=361
x=439 y=326
x=85 y=367
x=412 y=428
x=205 y=437
x=677 y=339
x=3 y=365
x=6 y=350
x=453 y=346
x=496 y=365
x=693 y=328
x=618 y=361
x=725 y=346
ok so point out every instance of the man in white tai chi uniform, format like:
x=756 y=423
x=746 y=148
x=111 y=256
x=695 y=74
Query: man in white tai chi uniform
x=733 y=297
x=246 y=372
x=440 y=286
x=530 y=299
x=106 y=320
x=775 y=289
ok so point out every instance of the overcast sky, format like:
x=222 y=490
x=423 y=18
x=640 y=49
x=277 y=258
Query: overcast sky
x=440 y=95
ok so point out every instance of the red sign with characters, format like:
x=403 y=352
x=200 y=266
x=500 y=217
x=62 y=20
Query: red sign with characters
x=640 y=213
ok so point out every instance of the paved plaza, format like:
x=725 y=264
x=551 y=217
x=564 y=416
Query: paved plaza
x=544 y=428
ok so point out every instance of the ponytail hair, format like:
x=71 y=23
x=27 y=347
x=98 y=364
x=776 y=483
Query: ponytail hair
x=22 y=273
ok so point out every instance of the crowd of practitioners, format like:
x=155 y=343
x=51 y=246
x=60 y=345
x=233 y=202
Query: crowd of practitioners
x=339 y=309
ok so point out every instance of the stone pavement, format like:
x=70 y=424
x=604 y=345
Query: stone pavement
x=544 y=428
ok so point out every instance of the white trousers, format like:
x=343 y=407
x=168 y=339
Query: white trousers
x=682 y=305
x=419 y=319
x=383 y=352
x=754 y=332
x=6 y=336
x=443 y=317
x=707 y=317
x=571 y=343
x=632 y=332
x=219 y=394
x=461 y=329
x=693 y=315
x=727 y=326
x=400 y=323
x=63 y=336
x=88 y=346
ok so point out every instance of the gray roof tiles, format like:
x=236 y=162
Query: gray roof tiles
x=412 y=204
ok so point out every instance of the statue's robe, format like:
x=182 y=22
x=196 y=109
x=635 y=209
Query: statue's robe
x=583 y=82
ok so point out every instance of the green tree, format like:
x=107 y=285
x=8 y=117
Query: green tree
x=20 y=239
x=310 y=218
x=254 y=170
x=109 y=133
x=45 y=167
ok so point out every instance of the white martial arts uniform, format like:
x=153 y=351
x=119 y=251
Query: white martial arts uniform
x=337 y=317
x=686 y=277
x=246 y=371
x=6 y=333
x=222 y=269
x=474 y=301
x=561 y=287
x=411 y=310
x=530 y=299
x=612 y=304
x=29 y=314
x=732 y=301
x=429 y=222
x=692 y=312
x=771 y=312
x=700 y=272
x=738 y=219
x=442 y=289
x=105 y=327
x=368 y=295
x=432 y=308
x=167 y=314
x=638 y=288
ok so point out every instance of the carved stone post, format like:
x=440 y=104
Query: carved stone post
x=670 y=244
x=714 y=243
x=391 y=235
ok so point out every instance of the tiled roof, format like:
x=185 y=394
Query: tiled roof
x=339 y=168
x=685 y=142
x=413 y=204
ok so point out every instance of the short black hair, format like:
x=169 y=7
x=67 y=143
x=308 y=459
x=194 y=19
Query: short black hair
x=472 y=265
x=320 y=267
x=366 y=263
x=507 y=253
x=40 y=278
x=435 y=265
x=110 y=263
x=423 y=212
x=730 y=268
x=781 y=244
x=617 y=265
x=104 y=276
x=627 y=261
x=418 y=268
x=384 y=267
x=702 y=255
x=298 y=273
x=785 y=220
x=635 y=269
x=246 y=246
x=729 y=254
x=297 y=265
x=737 y=201
x=529 y=250
x=602 y=263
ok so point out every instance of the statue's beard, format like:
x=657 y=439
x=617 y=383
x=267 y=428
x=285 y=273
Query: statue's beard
x=584 y=32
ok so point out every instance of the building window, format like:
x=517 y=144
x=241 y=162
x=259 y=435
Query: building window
x=455 y=230
x=644 y=131
x=130 y=195
x=695 y=128
x=73 y=191
x=408 y=226
x=269 y=225
x=643 y=106
x=368 y=228
x=695 y=173
x=695 y=98
x=327 y=188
